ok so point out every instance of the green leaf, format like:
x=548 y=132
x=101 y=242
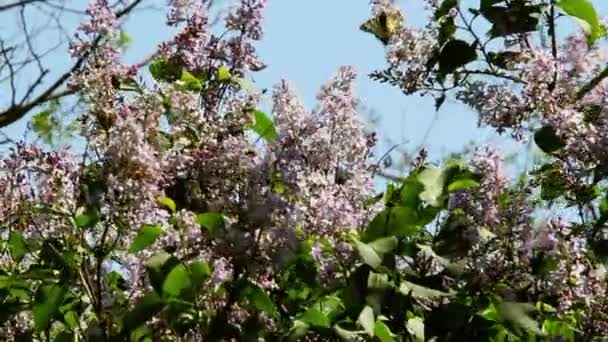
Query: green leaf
x=64 y=336
x=395 y=221
x=199 y=272
x=384 y=245
x=162 y=70
x=149 y=305
x=368 y=255
x=146 y=237
x=46 y=305
x=455 y=54
x=415 y=326
x=378 y=281
x=213 y=222
x=433 y=180
x=315 y=317
x=86 y=218
x=418 y=291
x=517 y=313
x=44 y=123
x=264 y=127
x=17 y=246
x=547 y=140
x=463 y=184
x=167 y=203
x=125 y=40
x=158 y=266
x=177 y=281
x=259 y=299
x=223 y=74
x=383 y=333
x=190 y=82
x=346 y=335
x=585 y=11
x=366 y=320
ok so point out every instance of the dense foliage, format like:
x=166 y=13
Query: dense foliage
x=193 y=215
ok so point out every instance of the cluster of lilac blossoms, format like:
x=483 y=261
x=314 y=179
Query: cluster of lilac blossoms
x=310 y=183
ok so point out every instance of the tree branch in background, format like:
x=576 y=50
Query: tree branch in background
x=19 y=108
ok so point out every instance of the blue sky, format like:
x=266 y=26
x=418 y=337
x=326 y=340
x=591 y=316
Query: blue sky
x=305 y=42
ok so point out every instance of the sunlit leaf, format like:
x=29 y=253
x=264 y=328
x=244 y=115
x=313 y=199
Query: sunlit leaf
x=366 y=320
x=585 y=11
x=263 y=126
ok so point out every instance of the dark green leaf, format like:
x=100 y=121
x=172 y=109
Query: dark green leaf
x=64 y=336
x=46 y=305
x=17 y=246
x=145 y=237
x=445 y=7
x=259 y=299
x=145 y=309
x=455 y=54
x=547 y=140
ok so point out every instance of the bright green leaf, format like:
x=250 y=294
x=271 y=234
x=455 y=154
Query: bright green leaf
x=213 y=222
x=315 y=317
x=190 y=82
x=463 y=184
x=223 y=74
x=366 y=320
x=264 y=127
x=177 y=281
x=585 y=11
x=167 y=203
x=383 y=333
x=147 y=236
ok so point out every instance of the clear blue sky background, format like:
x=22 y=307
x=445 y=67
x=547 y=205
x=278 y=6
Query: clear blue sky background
x=305 y=41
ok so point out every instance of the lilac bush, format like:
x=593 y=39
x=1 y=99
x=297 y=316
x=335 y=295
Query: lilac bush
x=192 y=215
